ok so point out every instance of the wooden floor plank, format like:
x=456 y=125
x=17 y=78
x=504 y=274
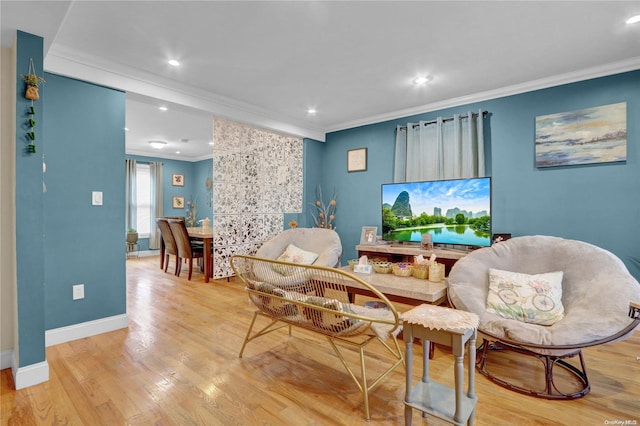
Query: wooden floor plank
x=177 y=363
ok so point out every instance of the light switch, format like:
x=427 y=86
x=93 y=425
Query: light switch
x=96 y=198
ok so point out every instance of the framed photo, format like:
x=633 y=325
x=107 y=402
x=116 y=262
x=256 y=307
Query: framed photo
x=368 y=236
x=500 y=237
x=178 y=202
x=177 y=180
x=357 y=160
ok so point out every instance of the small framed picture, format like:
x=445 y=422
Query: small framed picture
x=357 y=160
x=177 y=179
x=178 y=202
x=368 y=236
x=500 y=237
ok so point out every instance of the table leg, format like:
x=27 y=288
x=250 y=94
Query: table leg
x=458 y=374
x=207 y=259
x=408 y=361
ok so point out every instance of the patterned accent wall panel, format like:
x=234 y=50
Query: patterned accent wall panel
x=257 y=177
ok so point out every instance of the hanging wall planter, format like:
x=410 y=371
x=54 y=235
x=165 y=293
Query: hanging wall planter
x=32 y=90
x=32 y=82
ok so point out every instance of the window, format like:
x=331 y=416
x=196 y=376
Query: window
x=143 y=200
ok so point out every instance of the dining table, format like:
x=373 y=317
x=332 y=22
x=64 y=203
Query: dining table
x=204 y=234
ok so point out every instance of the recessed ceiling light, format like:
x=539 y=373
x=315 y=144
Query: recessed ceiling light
x=157 y=144
x=211 y=143
x=311 y=111
x=126 y=129
x=633 y=19
x=421 y=80
x=177 y=152
x=163 y=108
x=173 y=62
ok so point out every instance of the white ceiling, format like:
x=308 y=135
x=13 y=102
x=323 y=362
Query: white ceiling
x=267 y=62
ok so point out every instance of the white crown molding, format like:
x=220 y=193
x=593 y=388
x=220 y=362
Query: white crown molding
x=557 y=80
x=85 y=329
x=81 y=66
x=67 y=62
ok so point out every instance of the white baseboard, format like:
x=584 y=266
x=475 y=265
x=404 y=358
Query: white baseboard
x=30 y=375
x=5 y=359
x=85 y=329
x=34 y=374
x=143 y=253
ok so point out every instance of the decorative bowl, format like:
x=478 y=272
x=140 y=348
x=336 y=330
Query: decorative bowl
x=402 y=269
x=382 y=267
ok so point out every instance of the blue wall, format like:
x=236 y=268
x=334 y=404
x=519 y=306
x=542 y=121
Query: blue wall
x=195 y=175
x=596 y=203
x=84 y=244
x=201 y=171
x=29 y=211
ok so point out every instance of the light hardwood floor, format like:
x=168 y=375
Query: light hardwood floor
x=177 y=363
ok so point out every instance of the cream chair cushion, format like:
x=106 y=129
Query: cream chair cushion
x=325 y=242
x=596 y=289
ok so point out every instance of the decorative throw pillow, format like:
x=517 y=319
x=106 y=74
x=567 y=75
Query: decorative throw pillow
x=329 y=321
x=294 y=254
x=535 y=299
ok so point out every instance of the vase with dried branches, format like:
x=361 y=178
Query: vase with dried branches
x=324 y=214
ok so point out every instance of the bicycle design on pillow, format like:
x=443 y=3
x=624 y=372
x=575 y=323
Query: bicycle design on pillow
x=508 y=293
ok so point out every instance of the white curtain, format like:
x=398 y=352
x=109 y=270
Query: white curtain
x=155 y=171
x=130 y=199
x=441 y=149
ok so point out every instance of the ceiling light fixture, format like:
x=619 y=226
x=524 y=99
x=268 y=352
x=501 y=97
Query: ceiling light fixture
x=421 y=80
x=173 y=63
x=633 y=20
x=157 y=144
x=312 y=111
x=163 y=108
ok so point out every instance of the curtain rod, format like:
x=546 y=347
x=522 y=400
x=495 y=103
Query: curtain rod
x=444 y=120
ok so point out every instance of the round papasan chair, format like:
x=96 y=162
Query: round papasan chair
x=596 y=290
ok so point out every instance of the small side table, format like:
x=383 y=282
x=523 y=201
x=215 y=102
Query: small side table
x=132 y=249
x=451 y=328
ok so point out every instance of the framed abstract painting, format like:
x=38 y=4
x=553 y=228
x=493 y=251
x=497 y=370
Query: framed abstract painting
x=586 y=136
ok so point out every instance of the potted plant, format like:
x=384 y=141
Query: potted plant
x=132 y=236
x=33 y=82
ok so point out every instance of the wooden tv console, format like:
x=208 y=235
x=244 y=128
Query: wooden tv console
x=405 y=253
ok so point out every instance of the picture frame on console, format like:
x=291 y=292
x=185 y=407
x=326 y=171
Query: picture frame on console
x=368 y=235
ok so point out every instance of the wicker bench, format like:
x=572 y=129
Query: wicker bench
x=315 y=298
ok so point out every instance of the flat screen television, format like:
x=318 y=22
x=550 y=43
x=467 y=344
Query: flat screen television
x=454 y=211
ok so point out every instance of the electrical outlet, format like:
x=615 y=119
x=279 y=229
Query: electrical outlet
x=78 y=291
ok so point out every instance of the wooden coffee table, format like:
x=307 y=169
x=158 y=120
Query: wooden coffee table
x=406 y=290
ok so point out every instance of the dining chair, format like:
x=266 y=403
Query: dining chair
x=169 y=241
x=186 y=250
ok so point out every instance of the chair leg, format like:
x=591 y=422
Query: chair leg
x=178 y=265
x=190 y=268
x=166 y=263
x=363 y=383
